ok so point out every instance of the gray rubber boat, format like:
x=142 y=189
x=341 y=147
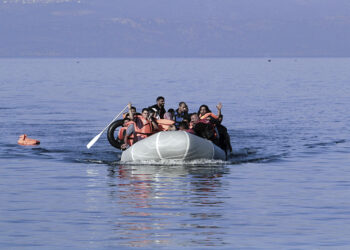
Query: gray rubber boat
x=173 y=145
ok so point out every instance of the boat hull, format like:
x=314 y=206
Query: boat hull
x=173 y=145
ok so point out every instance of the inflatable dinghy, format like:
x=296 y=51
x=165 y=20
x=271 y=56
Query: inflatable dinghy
x=173 y=145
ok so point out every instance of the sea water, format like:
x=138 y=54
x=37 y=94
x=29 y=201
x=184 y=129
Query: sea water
x=286 y=184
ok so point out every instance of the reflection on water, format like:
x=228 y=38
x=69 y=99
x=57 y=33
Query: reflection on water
x=168 y=205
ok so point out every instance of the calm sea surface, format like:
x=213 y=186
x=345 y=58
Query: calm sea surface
x=286 y=185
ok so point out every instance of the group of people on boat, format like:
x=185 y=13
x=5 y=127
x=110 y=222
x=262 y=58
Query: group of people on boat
x=137 y=126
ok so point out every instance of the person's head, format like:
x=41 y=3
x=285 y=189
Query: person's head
x=194 y=118
x=133 y=110
x=168 y=116
x=203 y=109
x=183 y=125
x=171 y=128
x=152 y=112
x=125 y=121
x=183 y=107
x=171 y=111
x=145 y=113
x=160 y=101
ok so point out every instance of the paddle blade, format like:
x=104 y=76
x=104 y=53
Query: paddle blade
x=93 y=141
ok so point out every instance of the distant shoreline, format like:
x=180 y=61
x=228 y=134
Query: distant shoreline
x=170 y=57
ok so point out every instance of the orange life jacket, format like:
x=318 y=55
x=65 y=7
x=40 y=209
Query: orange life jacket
x=121 y=134
x=207 y=115
x=146 y=128
x=24 y=140
x=164 y=124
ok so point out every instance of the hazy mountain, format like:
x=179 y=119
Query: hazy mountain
x=164 y=28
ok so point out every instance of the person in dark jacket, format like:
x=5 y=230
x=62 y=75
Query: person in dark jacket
x=181 y=114
x=224 y=137
x=159 y=107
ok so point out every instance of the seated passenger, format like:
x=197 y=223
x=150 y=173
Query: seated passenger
x=183 y=126
x=140 y=126
x=205 y=113
x=172 y=113
x=194 y=119
x=126 y=129
x=133 y=111
x=159 y=107
x=224 y=137
x=168 y=116
x=202 y=128
x=181 y=113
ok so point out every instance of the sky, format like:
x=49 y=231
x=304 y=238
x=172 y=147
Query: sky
x=169 y=28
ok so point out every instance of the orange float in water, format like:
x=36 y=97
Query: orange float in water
x=24 y=140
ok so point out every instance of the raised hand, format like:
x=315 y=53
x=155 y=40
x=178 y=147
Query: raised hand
x=219 y=106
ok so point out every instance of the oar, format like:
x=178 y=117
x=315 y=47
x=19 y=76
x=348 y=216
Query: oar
x=94 y=140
